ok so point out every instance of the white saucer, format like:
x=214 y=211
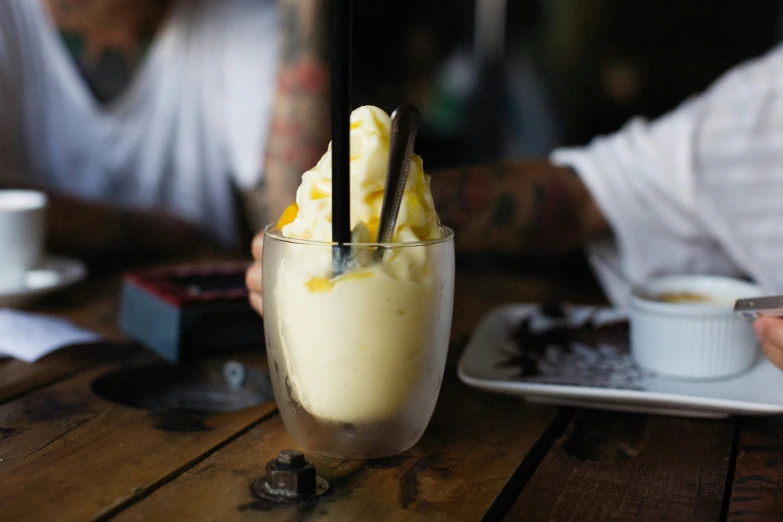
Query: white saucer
x=594 y=372
x=52 y=274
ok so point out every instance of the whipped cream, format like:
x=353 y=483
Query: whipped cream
x=370 y=137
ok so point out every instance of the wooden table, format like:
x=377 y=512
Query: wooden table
x=67 y=454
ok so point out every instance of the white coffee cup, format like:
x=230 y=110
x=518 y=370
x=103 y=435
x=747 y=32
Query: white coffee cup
x=22 y=227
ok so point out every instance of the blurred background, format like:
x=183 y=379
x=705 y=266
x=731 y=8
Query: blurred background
x=504 y=78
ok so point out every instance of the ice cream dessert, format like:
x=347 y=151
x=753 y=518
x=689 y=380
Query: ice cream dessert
x=311 y=216
x=364 y=347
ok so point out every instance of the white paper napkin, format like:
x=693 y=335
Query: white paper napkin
x=28 y=337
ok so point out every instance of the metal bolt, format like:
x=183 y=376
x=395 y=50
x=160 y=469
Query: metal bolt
x=289 y=478
x=291 y=458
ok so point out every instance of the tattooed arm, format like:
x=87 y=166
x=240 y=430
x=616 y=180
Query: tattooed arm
x=299 y=132
x=529 y=207
x=104 y=233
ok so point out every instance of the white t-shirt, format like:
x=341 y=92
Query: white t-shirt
x=699 y=190
x=191 y=125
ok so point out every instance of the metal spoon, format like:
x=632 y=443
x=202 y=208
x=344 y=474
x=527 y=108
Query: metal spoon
x=404 y=124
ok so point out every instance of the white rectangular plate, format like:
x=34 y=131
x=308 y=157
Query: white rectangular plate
x=582 y=359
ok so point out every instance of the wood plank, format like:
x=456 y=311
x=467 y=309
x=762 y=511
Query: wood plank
x=37 y=419
x=757 y=489
x=611 y=466
x=19 y=377
x=67 y=454
x=90 y=458
x=472 y=447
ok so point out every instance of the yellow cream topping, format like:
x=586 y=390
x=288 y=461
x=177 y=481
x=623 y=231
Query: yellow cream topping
x=325 y=284
x=288 y=215
x=369 y=136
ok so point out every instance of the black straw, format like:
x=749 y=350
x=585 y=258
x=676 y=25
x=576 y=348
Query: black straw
x=341 y=115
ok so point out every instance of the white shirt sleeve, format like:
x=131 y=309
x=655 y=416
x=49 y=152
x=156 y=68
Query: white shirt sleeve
x=699 y=190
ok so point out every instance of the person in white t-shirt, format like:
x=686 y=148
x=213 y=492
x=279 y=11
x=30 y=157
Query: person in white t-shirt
x=149 y=122
x=698 y=190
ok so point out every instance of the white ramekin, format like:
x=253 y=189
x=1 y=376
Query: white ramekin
x=693 y=340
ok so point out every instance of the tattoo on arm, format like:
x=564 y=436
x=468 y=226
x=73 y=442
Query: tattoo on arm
x=299 y=131
x=528 y=207
x=107 y=40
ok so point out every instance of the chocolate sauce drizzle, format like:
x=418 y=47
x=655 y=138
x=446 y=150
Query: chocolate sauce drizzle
x=580 y=346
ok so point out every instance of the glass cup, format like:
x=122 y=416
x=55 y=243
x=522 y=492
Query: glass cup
x=357 y=360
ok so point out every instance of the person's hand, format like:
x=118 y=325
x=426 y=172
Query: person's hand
x=253 y=275
x=769 y=331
